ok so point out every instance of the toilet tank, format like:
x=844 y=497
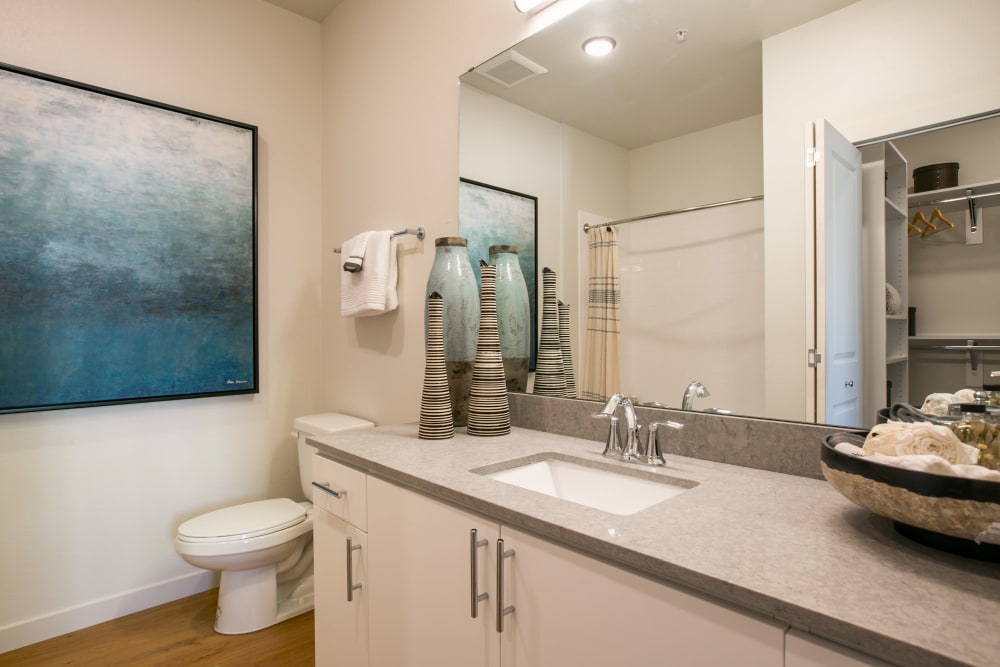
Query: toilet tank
x=320 y=424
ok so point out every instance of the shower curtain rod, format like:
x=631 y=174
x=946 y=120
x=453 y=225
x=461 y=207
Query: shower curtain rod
x=673 y=212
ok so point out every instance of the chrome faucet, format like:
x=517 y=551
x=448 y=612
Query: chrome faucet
x=694 y=389
x=614 y=447
x=653 y=454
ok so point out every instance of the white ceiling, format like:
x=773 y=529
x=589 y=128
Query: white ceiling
x=653 y=87
x=317 y=10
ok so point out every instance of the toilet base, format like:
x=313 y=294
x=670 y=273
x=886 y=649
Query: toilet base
x=249 y=600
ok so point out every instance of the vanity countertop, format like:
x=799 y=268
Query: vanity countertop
x=787 y=547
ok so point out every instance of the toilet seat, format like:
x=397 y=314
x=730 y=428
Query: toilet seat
x=243 y=522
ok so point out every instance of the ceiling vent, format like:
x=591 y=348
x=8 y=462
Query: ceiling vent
x=509 y=69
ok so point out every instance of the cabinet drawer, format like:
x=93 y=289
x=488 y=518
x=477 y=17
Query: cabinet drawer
x=350 y=484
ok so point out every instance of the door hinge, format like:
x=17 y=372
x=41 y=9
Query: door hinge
x=812 y=156
x=813 y=358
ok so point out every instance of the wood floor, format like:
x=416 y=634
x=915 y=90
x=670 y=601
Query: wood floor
x=177 y=633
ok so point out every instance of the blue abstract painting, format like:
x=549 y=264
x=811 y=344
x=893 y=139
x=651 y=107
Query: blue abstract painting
x=488 y=215
x=127 y=248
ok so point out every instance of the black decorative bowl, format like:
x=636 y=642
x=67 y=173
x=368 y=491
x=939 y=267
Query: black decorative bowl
x=952 y=513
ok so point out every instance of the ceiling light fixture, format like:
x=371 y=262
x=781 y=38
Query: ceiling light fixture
x=599 y=46
x=525 y=6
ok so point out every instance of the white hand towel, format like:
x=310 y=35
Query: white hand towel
x=373 y=290
x=353 y=252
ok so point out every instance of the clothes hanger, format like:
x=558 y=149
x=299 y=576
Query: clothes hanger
x=937 y=215
x=913 y=230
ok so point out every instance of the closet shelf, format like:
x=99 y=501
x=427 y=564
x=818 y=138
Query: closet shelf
x=950 y=200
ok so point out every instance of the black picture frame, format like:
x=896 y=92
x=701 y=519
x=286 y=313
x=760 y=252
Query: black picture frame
x=128 y=248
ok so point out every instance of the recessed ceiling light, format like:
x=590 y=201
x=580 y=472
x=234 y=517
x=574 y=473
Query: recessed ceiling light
x=599 y=46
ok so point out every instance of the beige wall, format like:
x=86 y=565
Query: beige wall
x=90 y=499
x=390 y=160
x=875 y=67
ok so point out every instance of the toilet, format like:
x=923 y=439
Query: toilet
x=263 y=548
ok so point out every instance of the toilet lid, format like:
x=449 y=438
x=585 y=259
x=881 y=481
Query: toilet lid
x=243 y=521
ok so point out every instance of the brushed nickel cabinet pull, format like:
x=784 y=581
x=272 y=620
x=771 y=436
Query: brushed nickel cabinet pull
x=477 y=597
x=325 y=486
x=501 y=609
x=351 y=586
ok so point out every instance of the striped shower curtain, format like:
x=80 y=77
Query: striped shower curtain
x=601 y=362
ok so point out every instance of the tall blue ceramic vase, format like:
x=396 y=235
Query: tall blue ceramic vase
x=513 y=316
x=453 y=278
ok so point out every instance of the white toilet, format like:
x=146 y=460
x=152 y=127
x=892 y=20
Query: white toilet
x=262 y=548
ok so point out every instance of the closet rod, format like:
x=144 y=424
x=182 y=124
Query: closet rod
x=947 y=200
x=673 y=212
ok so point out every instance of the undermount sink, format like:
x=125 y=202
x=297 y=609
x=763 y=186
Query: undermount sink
x=588 y=483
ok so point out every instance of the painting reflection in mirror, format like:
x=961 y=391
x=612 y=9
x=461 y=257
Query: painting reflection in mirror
x=495 y=217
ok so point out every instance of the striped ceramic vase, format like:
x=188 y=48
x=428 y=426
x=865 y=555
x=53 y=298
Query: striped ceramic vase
x=489 y=411
x=567 y=352
x=550 y=379
x=436 y=422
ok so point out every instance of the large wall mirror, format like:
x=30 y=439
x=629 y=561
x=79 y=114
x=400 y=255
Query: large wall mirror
x=705 y=102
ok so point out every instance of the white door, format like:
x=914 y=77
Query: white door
x=838 y=286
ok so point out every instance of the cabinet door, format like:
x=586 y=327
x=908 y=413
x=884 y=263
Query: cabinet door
x=570 y=609
x=341 y=624
x=420 y=564
x=804 y=650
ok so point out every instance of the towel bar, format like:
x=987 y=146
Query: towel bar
x=419 y=232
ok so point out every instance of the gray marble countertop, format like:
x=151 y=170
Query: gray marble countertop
x=787 y=547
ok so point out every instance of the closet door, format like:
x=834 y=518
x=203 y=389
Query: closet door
x=836 y=378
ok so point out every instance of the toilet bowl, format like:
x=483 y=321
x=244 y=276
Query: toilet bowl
x=263 y=548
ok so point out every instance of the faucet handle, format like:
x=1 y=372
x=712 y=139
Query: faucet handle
x=613 y=447
x=653 y=456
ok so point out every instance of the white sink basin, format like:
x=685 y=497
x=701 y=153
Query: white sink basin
x=601 y=488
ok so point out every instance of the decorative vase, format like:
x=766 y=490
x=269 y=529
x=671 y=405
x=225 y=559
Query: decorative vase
x=567 y=352
x=436 y=419
x=513 y=316
x=453 y=278
x=489 y=411
x=549 y=377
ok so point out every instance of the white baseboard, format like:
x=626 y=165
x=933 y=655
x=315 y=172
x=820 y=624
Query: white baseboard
x=40 y=628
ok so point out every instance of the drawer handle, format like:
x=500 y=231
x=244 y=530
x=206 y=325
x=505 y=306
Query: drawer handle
x=351 y=586
x=502 y=610
x=477 y=597
x=325 y=486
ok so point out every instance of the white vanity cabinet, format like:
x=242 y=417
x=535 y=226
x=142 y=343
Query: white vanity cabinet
x=568 y=609
x=340 y=564
x=421 y=563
